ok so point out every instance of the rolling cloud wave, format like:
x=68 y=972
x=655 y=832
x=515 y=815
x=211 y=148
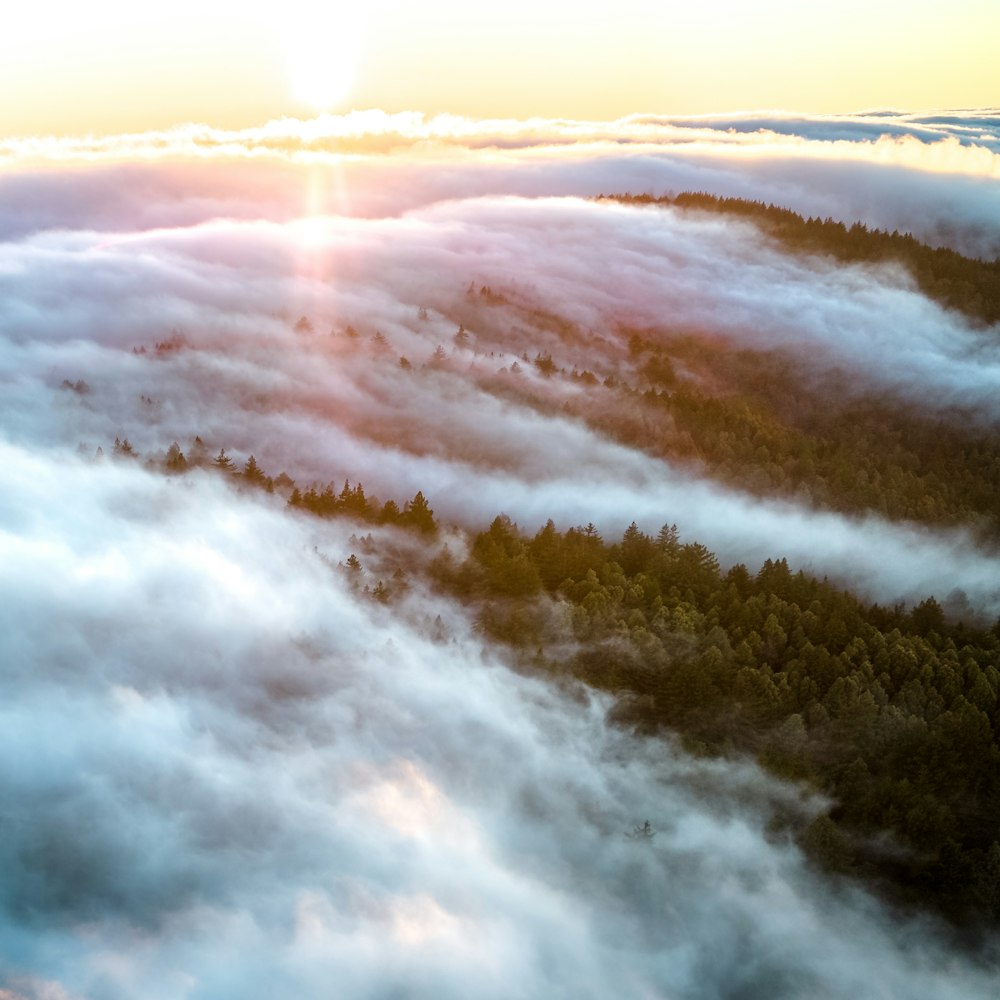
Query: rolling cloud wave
x=231 y=774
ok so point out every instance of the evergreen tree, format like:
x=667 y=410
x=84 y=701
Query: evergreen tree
x=223 y=462
x=123 y=449
x=252 y=473
x=175 y=461
x=418 y=514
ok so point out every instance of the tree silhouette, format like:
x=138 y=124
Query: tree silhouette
x=223 y=462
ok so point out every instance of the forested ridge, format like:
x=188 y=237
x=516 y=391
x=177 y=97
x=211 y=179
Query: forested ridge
x=967 y=284
x=763 y=421
x=891 y=712
x=758 y=422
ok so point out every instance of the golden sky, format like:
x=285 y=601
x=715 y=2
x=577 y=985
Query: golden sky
x=112 y=66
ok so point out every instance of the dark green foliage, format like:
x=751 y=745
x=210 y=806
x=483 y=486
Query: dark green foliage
x=958 y=282
x=773 y=424
x=892 y=715
x=506 y=559
x=352 y=502
x=417 y=514
x=252 y=473
x=758 y=423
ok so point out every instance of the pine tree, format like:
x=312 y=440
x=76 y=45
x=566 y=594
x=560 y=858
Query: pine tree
x=176 y=462
x=389 y=514
x=223 y=462
x=418 y=514
x=252 y=472
x=123 y=449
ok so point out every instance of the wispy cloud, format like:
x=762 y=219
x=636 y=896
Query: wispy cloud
x=322 y=406
x=883 y=169
x=230 y=774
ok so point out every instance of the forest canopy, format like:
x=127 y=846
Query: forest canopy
x=880 y=708
x=967 y=284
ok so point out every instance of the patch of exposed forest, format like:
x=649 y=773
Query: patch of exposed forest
x=764 y=422
x=893 y=713
x=890 y=712
x=757 y=422
x=970 y=285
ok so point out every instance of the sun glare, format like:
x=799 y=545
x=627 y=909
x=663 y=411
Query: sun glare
x=322 y=50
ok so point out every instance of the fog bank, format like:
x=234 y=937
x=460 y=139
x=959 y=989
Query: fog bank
x=228 y=775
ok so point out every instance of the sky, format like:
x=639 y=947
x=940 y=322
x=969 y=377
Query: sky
x=228 y=772
x=112 y=66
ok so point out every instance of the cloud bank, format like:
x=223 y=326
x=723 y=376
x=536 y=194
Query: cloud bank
x=931 y=174
x=229 y=773
x=322 y=405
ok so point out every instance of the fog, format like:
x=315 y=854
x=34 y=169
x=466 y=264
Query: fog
x=980 y=128
x=230 y=776
x=933 y=175
x=229 y=772
x=474 y=436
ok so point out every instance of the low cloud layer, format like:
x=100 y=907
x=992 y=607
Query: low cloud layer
x=229 y=776
x=322 y=406
x=933 y=175
x=974 y=128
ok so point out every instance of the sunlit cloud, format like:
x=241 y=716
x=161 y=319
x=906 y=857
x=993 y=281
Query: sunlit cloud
x=231 y=772
x=372 y=163
x=940 y=148
x=202 y=797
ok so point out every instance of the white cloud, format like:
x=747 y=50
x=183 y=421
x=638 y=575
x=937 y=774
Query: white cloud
x=230 y=775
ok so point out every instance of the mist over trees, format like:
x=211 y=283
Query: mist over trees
x=880 y=708
x=484 y=588
x=967 y=284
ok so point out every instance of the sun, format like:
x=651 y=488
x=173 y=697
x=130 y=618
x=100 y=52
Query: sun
x=323 y=44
